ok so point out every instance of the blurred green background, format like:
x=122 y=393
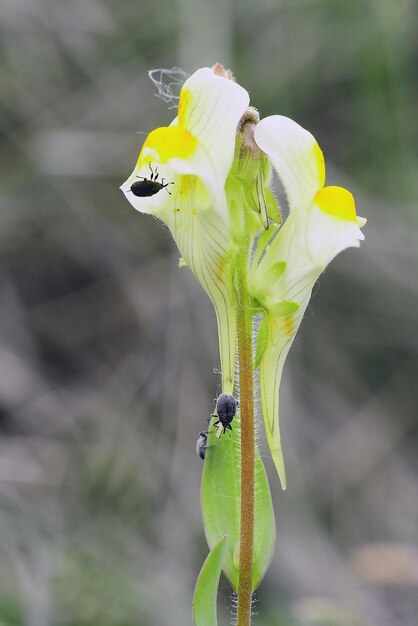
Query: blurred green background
x=108 y=349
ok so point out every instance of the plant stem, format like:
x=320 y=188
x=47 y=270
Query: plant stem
x=245 y=356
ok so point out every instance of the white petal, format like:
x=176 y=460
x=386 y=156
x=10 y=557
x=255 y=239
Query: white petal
x=327 y=236
x=203 y=240
x=160 y=202
x=194 y=154
x=294 y=284
x=300 y=271
x=210 y=108
x=296 y=157
x=171 y=170
x=282 y=331
x=305 y=258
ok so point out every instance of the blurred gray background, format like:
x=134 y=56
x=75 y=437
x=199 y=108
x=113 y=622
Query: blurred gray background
x=108 y=349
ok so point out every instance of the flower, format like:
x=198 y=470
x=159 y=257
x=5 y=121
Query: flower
x=194 y=155
x=322 y=222
x=201 y=174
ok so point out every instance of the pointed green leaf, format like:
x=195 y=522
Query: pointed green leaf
x=275 y=271
x=262 y=339
x=221 y=504
x=262 y=283
x=283 y=308
x=263 y=241
x=204 y=599
x=273 y=208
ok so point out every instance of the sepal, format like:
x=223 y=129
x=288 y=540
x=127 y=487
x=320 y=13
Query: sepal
x=206 y=591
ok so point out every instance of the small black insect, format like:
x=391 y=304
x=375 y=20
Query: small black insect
x=202 y=443
x=149 y=186
x=226 y=407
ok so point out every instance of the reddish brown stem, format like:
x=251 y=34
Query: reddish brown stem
x=246 y=378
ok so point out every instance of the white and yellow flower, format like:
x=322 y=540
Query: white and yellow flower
x=322 y=222
x=204 y=171
x=195 y=153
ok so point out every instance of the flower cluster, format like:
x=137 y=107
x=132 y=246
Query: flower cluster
x=200 y=173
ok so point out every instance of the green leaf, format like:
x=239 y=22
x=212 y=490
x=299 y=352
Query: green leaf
x=263 y=242
x=262 y=283
x=275 y=272
x=221 y=499
x=262 y=340
x=205 y=594
x=284 y=308
x=273 y=208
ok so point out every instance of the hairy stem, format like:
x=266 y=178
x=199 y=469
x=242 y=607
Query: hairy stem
x=244 y=322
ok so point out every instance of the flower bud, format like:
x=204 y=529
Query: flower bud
x=251 y=171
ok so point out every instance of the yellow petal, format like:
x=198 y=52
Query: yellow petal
x=338 y=202
x=172 y=152
x=167 y=143
x=296 y=156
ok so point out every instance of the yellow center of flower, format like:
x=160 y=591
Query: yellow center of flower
x=169 y=142
x=336 y=201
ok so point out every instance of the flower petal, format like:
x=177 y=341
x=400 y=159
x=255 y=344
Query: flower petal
x=332 y=225
x=295 y=155
x=200 y=142
x=304 y=245
x=210 y=108
x=159 y=203
x=338 y=202
x=283 y=323
x=204 y=242
x=194 y=155
x=167 y=143
x=271 y=368
x=282 y=283
x=202 y=237
x=288 y=252
x=170 y=169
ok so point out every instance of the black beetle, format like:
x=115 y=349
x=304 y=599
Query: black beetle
x=149 y=186
x=202 y=443
x=226 y=407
